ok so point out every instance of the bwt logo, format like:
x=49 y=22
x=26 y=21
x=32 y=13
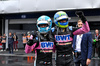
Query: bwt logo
x=62 y=37
x=46 y=44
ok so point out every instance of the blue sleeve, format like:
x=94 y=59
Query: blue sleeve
x=89 y=46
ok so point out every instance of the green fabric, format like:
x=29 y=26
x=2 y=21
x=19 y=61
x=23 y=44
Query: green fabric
x=94 y=41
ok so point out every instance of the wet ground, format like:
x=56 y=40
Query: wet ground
x=20 y=58
x=29 y=61
x=95 y=62
x=16 y=61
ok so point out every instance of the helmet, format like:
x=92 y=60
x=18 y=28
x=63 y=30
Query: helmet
x=61 y=15
x=44 y=20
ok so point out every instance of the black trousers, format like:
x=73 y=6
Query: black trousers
x=64 y=60
x=79 y=61
x=24 y=45
x=10 y=46
x=4 y=46
x=98 y=48
x=93 y=50
x=46 y=59
x=99 y=51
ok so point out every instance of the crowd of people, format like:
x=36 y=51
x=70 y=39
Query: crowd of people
x=13 y=41
x=3 y=41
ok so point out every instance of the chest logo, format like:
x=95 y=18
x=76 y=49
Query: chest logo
x=62 y=37
x=46 y=44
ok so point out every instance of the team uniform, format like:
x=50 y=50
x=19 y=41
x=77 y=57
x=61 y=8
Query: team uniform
x=63 y=38
x=43 y=44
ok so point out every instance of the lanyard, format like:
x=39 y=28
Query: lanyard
x=96 y=37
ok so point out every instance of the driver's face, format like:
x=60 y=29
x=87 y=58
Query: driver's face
x=63 y=21
x=43 y=25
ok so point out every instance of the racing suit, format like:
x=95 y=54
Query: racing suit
x=63 y=42
x=43 y=46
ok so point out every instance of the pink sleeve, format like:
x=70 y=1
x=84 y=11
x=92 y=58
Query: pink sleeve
x=82 y=30
x=28 y=48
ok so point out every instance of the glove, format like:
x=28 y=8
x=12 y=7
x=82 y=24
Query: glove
x=80 y=14
x=34 y=32
x=30 y=42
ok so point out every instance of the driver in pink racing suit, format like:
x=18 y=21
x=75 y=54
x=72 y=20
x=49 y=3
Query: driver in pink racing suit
x=43 y=44
x=64 y=36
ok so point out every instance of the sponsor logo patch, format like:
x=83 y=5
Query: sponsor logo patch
x=46 y=44
x=62 y=37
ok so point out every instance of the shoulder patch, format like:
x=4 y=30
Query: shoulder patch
x=70 y=28
x=53 y=29
x=36 y=38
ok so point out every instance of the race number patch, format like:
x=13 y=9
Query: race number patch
x=63 y=38
x=48 y=45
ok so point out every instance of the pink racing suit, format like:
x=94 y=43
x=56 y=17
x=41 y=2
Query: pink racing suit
x=43 y=52
x=63 y=43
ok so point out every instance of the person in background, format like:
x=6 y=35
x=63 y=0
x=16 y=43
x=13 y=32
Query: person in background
x=24 y=40
x=28 y=36
x=82 y=45
x=15 y=42
x=93 y=47
x=97 y=38
x=3 y=42
x=0 y=38
x=10 y=43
